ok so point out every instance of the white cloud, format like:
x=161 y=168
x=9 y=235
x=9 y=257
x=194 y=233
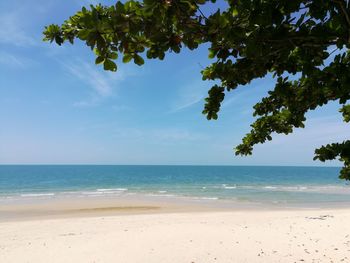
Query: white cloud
x=174 y=134
x=121 y=108
x=12 y=31
x=190 y=95
x=93 y=2
x=93 y=101
x=101 y=83
x=298 y=148
x=14 y=61
x=248 y=95
x=97 y=80
x=21 y=21
x=318 y=131
x=158 y=136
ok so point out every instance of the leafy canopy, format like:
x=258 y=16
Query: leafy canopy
x=306 y=38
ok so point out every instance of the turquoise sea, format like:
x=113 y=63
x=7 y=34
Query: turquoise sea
x=266 y=184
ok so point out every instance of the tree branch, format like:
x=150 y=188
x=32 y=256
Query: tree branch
x=343 y=8
x=345 y=13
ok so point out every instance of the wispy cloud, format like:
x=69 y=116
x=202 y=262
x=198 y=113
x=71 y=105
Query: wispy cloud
x=174 y=134
x=190 y=95
x=318 y=131
x=298 y=148
x=248 y=95
x=235 y=99
x=121 y=108
x=11 y=60
x=93 y=101
x=93 y=2
x=12 y=31
x=168 y=135
x=97 y=80
x=101 y=83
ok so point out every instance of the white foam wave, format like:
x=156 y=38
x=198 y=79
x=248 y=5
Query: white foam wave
x=37 y=195
x=207 y=198
x=270 y=187
x=230 y=187
x=343 y=189
x=111 y=189
x=162 y=195
x=91 y=193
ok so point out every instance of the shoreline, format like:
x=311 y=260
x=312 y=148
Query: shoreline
x=69 y=207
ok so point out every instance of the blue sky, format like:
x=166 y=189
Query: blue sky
x=57 y=107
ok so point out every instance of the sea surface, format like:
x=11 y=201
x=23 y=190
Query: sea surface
x=262 y=184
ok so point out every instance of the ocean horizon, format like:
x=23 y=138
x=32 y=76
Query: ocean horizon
x=262 y=184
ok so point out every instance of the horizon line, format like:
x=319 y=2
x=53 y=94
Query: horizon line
x=230 y=165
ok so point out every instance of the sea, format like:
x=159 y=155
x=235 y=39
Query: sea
x=258 y=184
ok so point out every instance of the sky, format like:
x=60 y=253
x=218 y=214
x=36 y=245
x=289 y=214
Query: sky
x=57 y=107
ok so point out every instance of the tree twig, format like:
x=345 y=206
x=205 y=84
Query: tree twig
x=343 y=8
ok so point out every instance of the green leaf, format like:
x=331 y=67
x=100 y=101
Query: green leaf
x=127 y=58
x=99 y=60
x=234 y=11
x=109 y=65
x=84 y=34
x=212 y=54
x=113 y=55
x=345 y=110
x=138 y=60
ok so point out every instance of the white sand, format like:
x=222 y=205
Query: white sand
x=245 y=236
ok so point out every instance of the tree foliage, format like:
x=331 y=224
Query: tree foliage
x=303 y=43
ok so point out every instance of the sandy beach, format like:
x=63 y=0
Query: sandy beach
x=150 y=233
